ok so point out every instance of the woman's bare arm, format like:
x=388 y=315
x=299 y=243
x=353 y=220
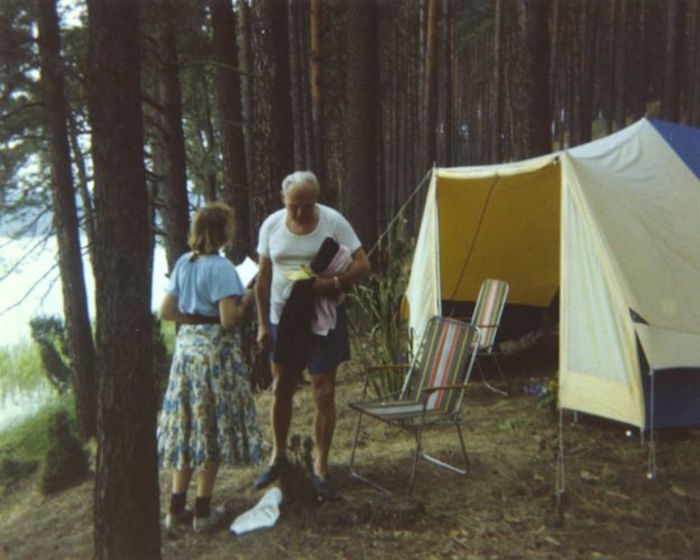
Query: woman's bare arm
x=232 y=309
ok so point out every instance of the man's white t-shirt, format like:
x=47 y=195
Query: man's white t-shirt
x=288 y=251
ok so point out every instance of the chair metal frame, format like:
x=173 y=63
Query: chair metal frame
x=419 y=402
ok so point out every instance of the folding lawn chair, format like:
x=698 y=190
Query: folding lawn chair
x=488 y=310
x=432 y=392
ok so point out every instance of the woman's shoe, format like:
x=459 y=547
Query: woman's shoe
x=213 y=521
x=172 y=520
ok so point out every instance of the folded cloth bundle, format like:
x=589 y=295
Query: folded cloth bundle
x=332 y=259
x=325 y=255
x=303 y=314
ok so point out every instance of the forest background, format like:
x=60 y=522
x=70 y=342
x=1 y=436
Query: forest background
x=117 y=118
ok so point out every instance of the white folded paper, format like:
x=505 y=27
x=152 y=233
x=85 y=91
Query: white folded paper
x=264 y=514
x=247 y=271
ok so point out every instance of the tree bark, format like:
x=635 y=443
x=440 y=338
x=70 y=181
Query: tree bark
x=360 y=176
x=609 y=82
x=497 y=85
x=444 y=90
x=296 y=81
x=695 y=81
x=83 y=189
x=171 y=164
x=126 y=507
x=231 y=123
x=272 y=126
x=670 y=102
x=533 y=132
x=315 y=88
x=70 y=263
x=303 y=14
x=246 y=65
x=620 y=31
x=429 y=109
x=638 y=71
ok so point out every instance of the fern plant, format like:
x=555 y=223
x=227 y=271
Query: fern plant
x=378 y=300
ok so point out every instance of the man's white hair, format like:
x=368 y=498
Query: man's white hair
x=300 y=178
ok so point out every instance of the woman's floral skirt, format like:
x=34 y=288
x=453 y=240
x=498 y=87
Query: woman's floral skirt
x=208 y=416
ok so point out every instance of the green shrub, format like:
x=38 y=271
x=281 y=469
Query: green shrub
x=65 y=462
x=13 y=469
x=378 y=317
x=50 y=335
x=27 y=437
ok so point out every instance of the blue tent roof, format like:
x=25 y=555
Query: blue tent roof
x=685 y=141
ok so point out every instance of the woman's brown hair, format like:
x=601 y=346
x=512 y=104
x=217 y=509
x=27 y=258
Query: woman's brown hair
x=212 y=227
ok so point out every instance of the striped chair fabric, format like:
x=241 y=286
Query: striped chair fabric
x=487 y=314
x=445 y=357
x=488 y=310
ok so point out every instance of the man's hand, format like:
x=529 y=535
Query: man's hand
x=326 y=287
x=264 y=338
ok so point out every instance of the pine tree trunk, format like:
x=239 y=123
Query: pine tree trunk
x=315 y=88
x=620 y=32
x=305 y=62
x=272 y=126
x=296 y=81
x=429 y=109
x=360 y=176
x=70 y=263
x=670 y=102
x=246 y=64
x=497 y=85
x=444 y=91
x=533 y=132
x=638 y=72
x=228 y=96
x=205 y=136
x=85 y=196
x=554 y=65
x=613 y=18
x=587 y=31
x=694 y=119
x=171 y=159
x=126 y=507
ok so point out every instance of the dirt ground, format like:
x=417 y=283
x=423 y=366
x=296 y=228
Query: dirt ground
x=505 y=507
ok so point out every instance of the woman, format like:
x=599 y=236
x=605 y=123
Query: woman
x=208 y=416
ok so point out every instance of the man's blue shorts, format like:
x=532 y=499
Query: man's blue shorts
x=326 y=352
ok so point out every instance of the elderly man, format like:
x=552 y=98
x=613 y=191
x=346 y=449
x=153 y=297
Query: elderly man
x=289 y=241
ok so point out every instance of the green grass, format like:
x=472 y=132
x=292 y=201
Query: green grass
x=22 y=372
x=169 y=334
x=21 y=369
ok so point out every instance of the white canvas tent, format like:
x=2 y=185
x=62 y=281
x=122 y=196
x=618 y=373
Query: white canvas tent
x=613 y=226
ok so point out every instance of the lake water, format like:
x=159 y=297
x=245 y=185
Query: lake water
x=40 y=270
x=33 y=289
x=14 y=408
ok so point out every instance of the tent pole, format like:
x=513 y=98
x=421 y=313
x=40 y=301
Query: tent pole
x=560 y=478
x=651 y=466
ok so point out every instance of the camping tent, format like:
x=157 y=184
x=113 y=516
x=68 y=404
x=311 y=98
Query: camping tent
x=611 y=231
